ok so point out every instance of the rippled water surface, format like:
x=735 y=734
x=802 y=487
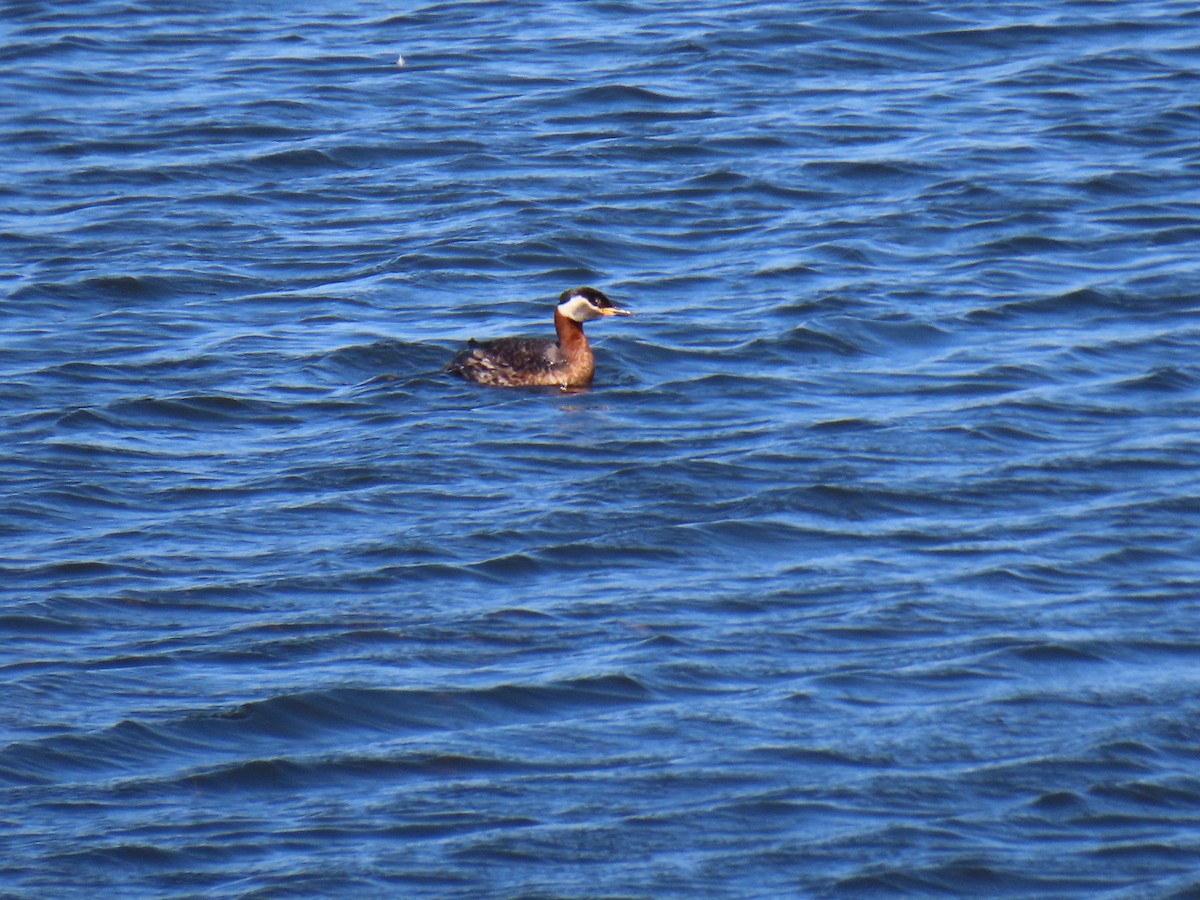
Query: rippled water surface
x=868 y=566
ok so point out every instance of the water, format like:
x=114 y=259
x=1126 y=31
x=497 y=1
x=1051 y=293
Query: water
x=867 y=567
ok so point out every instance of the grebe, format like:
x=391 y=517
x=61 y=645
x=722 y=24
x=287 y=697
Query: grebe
x=523 y=362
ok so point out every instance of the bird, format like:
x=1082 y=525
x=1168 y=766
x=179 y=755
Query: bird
x=528 y=362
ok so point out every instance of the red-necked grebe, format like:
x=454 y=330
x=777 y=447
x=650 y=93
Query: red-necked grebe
x=523 y=362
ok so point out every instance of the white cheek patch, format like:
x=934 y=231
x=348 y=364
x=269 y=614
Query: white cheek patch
x=578 y=308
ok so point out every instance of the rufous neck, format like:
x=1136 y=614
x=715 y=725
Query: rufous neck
x=570 y=333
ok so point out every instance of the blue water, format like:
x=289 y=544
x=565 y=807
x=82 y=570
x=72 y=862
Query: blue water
x=869 y=566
